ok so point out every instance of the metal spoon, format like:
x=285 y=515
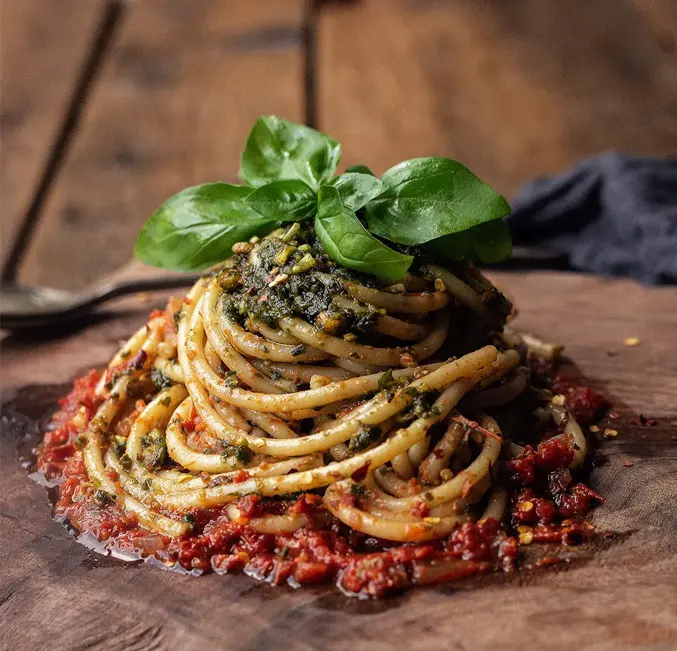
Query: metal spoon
x=24 y=306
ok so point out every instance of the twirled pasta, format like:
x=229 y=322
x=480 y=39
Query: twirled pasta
x=389 y=421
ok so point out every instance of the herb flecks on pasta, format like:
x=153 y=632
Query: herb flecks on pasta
x=333 y=398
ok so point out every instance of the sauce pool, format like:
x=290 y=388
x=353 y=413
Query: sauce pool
x=546 y=506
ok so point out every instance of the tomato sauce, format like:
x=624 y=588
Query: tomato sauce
x=58 y=444
x=546 y=506
x=586 y=404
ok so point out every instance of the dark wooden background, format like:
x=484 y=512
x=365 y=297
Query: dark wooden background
x=109 y=107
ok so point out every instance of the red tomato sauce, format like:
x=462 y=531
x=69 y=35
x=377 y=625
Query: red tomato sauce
x=546 y=506
x=586 y=404
x=58 y=443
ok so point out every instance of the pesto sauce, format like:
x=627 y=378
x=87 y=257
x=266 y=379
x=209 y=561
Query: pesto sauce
x=154 y=449
x=365 y=436
x=242 y=453
x=310 y=282
x=159 y=379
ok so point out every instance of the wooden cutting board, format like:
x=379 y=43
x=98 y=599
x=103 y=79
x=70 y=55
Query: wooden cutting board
x=618 y=594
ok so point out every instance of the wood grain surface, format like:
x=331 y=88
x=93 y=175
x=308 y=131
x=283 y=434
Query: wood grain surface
x=513 y=89
x=622 y=594
x=55 y=38
x=173 y=103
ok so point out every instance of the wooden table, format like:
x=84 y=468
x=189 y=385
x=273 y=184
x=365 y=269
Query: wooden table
x=109 y=107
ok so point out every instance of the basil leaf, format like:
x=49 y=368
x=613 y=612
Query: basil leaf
x=488 y=243
x=359 y=169
x=197 y=227
x=350 y=244
x=279 y=150
x=284 y=201
x=427 y=198
x=356 y=189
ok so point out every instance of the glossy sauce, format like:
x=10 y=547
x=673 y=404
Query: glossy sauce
x=546 y=506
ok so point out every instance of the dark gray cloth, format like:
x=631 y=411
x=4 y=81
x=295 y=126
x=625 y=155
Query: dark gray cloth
x=614 y=214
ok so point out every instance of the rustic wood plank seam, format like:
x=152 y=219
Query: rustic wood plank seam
x=310 y=69
x=108 y=25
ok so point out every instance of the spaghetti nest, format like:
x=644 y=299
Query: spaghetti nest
x=283 y=373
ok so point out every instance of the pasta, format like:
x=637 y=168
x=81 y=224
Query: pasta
x=319 y=403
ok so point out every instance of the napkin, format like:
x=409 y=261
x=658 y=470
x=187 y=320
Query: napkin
x=614 y=214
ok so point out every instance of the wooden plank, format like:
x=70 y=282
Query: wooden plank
x=43 y=47
x=183 y=84
x=512 y=89
x=54 y=593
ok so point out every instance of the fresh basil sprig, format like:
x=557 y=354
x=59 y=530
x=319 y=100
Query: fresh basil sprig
x=196 y=228
x=359 y=169
x=487 y=243
x=356 y=189
x=349 y=243
x=435 y=204
x=284 y=201
x=427 y=198
x=279 y=150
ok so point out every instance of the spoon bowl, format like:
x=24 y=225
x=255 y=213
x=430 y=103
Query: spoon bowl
x=25 y=306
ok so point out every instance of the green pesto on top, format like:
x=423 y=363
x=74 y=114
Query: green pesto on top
x=288 y=273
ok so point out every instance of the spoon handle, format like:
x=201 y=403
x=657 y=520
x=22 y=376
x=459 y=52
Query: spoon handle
x=115 y=289
x=83 y=303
